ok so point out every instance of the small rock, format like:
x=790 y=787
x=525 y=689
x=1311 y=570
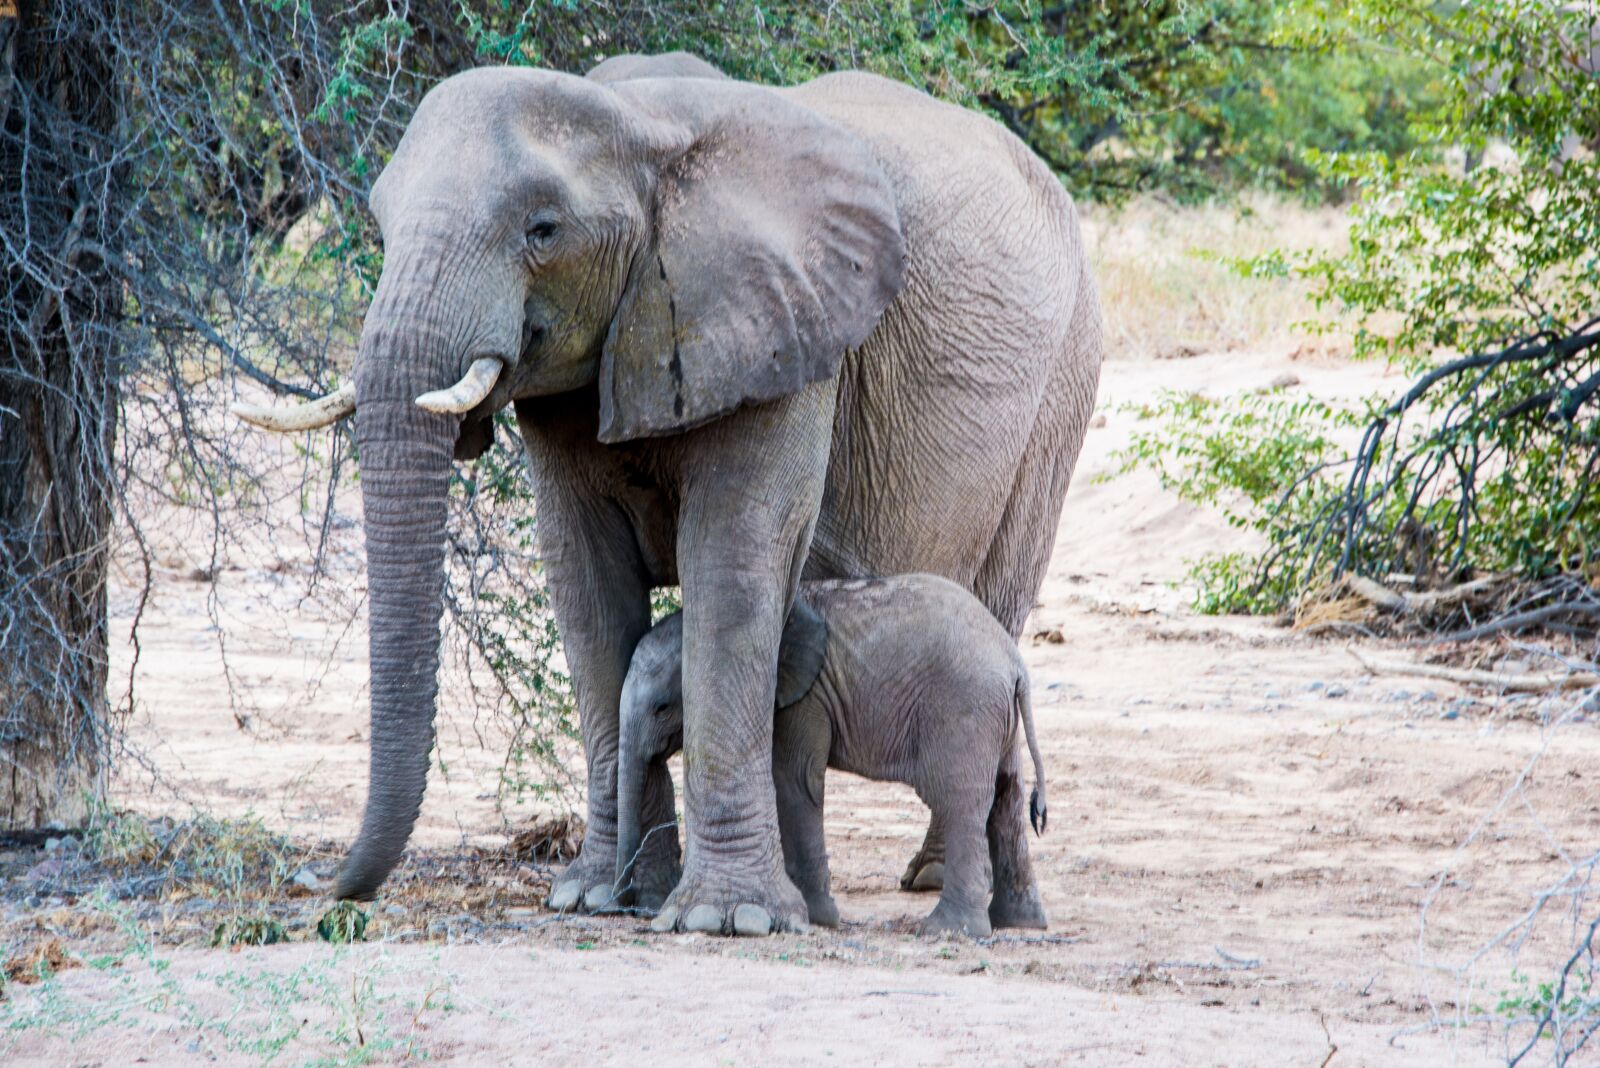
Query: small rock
x=1427 y=695
x=1053 y=636
x=400 y=910
x=52 y=844
x=1315 y=686
x=1097 y=422
x=1272 y=694
x=1336 y=690
x=45 y=869
x=1398 y=696
x=1449 y=713
x=1285 y=380
x=307 y=878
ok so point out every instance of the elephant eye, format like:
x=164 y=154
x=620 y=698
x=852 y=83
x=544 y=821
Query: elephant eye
x=663 y=708
x=542 y=230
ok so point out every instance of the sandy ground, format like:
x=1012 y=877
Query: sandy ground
x=1245 y=831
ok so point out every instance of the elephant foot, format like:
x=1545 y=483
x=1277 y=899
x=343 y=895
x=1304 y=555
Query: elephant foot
x=924 y=878
x=822 y=910
x=587 y=885
x=926 y=871
x=652 y=886
x=739 y=906
x=1014 y=908
x=655 y=871
x=949 y=918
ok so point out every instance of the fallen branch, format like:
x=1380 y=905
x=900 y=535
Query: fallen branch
x=1522 y=619
x=1521 y=683
x=1381 y=596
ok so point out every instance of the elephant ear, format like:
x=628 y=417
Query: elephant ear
x=775 y=247
x=800 y=653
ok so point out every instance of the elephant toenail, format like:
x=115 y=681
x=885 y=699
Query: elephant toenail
x=664 y=921
x=707 y=918
x=752 y=921
x=565 y=896
x=597 y=898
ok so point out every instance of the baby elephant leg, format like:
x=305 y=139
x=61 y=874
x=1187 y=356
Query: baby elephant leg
x=962 y=812
x=1016 y=895
x=926 y=870
x=800 y=741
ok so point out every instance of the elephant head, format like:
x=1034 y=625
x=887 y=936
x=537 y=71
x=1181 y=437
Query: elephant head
x=665 y=248
x=652 y=709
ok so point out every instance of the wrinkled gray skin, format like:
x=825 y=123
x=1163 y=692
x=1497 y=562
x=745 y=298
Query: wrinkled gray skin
x=838 y=329
x=906 y=679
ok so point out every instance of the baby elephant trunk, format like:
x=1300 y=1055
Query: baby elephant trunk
x=632 y=767
x=1038 y=805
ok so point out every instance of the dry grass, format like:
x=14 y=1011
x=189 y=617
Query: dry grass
x=1167 y=295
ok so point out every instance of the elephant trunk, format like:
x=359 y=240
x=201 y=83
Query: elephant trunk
x=633 y=767
x=405 y=457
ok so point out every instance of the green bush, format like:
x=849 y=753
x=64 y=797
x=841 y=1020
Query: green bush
x=1481 y=280
x=1264 y=460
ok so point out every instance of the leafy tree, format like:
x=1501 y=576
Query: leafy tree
x=1481 y=278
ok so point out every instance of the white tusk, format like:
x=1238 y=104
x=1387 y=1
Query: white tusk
x=322 y=412
x=466 y=394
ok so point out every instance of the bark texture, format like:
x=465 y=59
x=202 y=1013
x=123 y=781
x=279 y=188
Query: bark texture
x=60 y=311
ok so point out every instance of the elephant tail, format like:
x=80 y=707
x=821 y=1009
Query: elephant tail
x=1038 y=805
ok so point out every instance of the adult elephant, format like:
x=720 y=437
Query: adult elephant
x=838 y=329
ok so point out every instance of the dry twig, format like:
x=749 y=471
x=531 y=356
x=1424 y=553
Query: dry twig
x=1532 y=682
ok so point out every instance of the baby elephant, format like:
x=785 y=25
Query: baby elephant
x=905 y=679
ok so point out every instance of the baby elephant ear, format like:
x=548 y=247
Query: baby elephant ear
x=775 y=247
x=805 y=637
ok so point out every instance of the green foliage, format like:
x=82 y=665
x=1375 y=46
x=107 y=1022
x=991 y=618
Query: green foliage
x=1194 y=97
x=1278 y=109
x=236 y=860
x=664 y=602
x=249 y=931
x=1263 y=459
x=1448 y=257
x=1487 y=463
x=1526 y=1000
x=343 y=924
x=360 y=46
x=331 y=1009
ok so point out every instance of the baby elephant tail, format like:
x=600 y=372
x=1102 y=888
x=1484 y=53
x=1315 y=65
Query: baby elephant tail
x=1038 y=806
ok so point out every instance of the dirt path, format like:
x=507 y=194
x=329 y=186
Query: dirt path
x=1244 y=831
x=658 y=1005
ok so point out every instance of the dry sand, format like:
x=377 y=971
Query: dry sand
x=1244 y=831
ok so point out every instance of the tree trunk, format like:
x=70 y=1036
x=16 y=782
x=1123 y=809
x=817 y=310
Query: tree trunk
x=60 y=314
